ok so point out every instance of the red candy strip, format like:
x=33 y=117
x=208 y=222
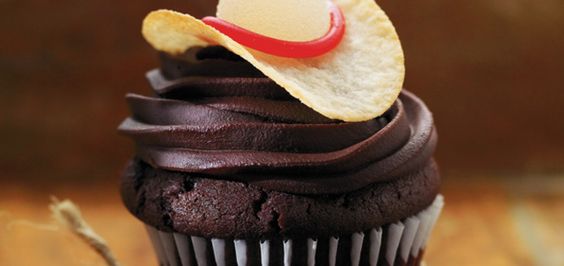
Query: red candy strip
x=283 y=48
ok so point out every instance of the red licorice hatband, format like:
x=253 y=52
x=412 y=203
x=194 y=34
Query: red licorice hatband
x=283 y=48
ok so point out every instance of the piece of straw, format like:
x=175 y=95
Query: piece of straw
x=68 y=214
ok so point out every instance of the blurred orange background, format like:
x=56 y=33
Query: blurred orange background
x=492 y=72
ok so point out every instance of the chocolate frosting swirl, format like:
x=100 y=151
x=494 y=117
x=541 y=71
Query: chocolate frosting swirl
x=216 y=115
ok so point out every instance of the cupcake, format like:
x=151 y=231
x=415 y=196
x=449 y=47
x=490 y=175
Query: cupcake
x=261 y=146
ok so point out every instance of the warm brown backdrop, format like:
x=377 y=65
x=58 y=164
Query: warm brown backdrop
x=492 y=72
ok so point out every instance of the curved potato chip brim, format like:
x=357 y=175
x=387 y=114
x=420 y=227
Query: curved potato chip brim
x=357 y=81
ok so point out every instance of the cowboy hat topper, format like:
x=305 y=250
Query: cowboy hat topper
x=342 y=58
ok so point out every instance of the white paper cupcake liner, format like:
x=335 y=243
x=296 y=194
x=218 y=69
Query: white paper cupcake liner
x=400 y=243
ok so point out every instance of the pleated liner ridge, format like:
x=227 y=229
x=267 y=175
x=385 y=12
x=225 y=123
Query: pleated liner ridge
x=400 y=243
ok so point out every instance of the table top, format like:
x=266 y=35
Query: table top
x=486 y=221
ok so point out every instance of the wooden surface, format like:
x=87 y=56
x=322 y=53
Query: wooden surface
x=487 y=221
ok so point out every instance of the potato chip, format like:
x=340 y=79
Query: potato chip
x=357 y=81
x=278 y=19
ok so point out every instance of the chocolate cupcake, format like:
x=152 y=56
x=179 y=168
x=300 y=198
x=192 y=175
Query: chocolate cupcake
x=235 y=166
